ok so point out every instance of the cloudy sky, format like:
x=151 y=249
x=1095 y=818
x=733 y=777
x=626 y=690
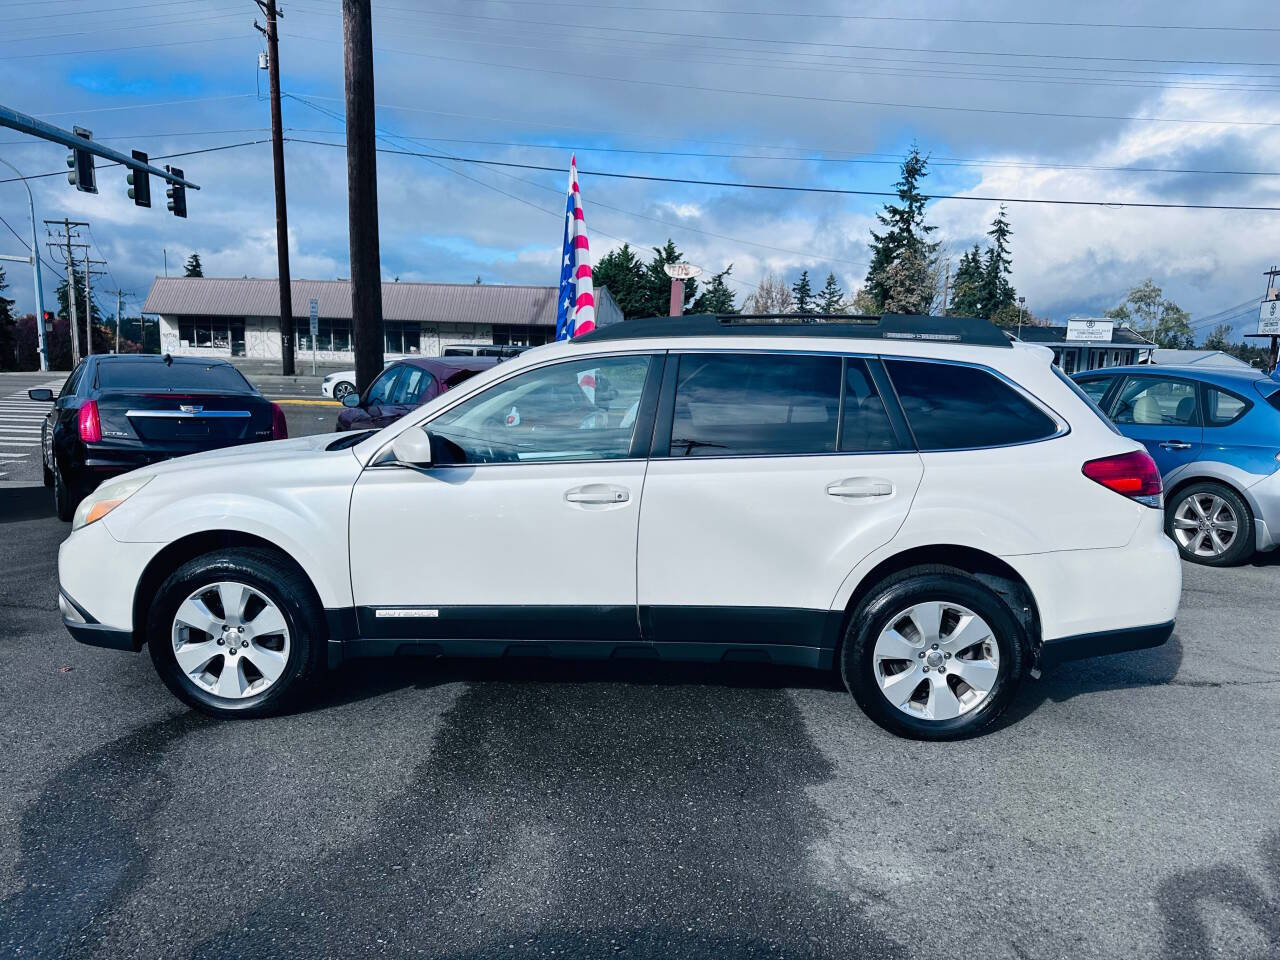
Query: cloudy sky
x=1174 y=110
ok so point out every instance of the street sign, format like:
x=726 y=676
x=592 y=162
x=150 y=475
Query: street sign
x=681 y=271
x=315 y=331
x=1092 y=329
x=1269 y=318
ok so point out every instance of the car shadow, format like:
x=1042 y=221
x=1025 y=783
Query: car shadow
x=18 y=504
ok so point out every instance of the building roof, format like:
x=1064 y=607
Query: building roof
x=1200 y=358
x=417 y=302
x=1120 y=337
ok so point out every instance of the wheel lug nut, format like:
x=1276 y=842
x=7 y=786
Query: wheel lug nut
x=935 y=646
x=221 y=641
x=926 y=669
x=947 y=655
x=942 y=669
x=240 y=629
x=920 y=654
x=244 y=644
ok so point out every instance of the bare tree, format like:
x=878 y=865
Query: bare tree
x=772 y=296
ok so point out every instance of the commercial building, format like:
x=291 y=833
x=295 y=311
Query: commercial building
x=230 y=317
x=1088 y=344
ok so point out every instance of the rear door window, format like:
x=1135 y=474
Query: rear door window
x=1095 y=388
x=952 y=406
x=864 y=425
x=756 y=404
x=412 y=382
x=1157 y=401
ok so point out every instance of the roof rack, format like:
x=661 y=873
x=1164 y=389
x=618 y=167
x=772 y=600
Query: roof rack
x=967 y=330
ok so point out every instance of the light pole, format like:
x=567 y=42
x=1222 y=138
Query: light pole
x=43 y=349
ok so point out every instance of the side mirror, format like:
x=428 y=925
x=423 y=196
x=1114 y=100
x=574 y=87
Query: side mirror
x=351 y=400
x=412 y=448
x=41 y=395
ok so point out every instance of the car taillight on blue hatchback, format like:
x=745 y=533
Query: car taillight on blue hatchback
x=1133 y=475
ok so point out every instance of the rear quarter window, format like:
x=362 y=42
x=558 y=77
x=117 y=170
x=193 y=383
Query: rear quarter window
x=956 y=407
x=1223 y=407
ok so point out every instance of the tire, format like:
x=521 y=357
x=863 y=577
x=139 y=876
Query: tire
x=273 y=670
x=67 y=494
x=1217 y=505
x=991 y=649
x=47 y=473
x=341 y=389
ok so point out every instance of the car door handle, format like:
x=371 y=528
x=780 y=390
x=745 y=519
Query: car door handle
x=860 y=488
x=1175 y=445
x=598 y=493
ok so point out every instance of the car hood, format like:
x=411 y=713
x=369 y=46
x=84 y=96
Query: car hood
x=272 y=451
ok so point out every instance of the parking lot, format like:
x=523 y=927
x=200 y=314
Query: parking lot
x=1126 y=807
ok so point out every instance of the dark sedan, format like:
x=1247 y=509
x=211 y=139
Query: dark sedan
x=404 y=385
x=117 y=413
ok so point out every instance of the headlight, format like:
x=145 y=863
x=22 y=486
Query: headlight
x=105 y=499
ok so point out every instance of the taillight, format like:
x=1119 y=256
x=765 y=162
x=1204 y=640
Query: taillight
x=90 y=425
x=279 y=426
x=1133 y=475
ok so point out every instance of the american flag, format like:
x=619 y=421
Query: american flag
x=576 y=312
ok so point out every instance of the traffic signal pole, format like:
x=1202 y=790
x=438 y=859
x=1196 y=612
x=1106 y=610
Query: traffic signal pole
x=35 y=272
x=277 y=159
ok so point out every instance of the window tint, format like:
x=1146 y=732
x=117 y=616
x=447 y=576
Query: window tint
x=72 y=383
x=1156 y=401
x=951 y=407
x=1089 y=401
x=383 y=389
x=865 y=425
x=143 y=375
x=584 y=410
x=734 y=404
x=1095 y=388
x=1222 y=407
x=410 y=386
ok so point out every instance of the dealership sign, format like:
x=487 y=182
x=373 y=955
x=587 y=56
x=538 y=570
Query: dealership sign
x=1269 y=318
x=1089 y=330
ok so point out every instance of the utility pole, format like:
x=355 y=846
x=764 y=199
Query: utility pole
x=118 y=295
x=277 y=158
x=946 y=282
x=35 y=272
x=362 y=191
x=88 y=301
x=62 y=246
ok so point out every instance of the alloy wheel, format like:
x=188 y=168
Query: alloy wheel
x=1206 y=525
x=936 y=660
x=230 y=640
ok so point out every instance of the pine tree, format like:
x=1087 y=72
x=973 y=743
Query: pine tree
x=194 y=268
x=903 y=253
x=802 y=294
x=997 y=267
x=966 y=286
x=716 y=296
x=101 y=341
x=1219 y=338
x=831 y=297
x=623 y=273
x=657 y=285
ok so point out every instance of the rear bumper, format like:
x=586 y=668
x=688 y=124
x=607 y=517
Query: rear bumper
x=1101 y=644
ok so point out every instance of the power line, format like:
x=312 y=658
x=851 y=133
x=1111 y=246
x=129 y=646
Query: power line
x=116 y=26
x=810 y=98
x=838 y=191
x=164 y=156
x=159 y=136
x=791 y=15
x=27 y=246
x=144 y=106
x=136 y=46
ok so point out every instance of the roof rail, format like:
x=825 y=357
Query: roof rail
x=967 y=330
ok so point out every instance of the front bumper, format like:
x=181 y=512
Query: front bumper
x=1083 y=645
x=97 y=579
x=326 y=387
x=83 y=627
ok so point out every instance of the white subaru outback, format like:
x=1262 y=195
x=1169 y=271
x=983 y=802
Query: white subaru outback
x=916 y=502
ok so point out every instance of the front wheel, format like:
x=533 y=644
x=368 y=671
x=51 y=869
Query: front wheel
x=1211 y=524
x=342 y=389
x=933 y=654
x=236 y=633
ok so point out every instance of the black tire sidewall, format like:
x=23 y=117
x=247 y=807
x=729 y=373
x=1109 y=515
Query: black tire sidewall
x=1239 y=551
x=64 y=499
x=873 y=615
x=282 y=586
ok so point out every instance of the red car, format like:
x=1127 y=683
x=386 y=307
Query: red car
x=404 y=385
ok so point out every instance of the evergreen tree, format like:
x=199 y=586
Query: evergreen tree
x=1219 y=338
x=102 y=343
x=716 y=296
x=194 y=268
x=966 y=286
x=997 y=267
x=831 y=297
x=623 y=273
x=8 y=329
x=903 y=253
x=657 y=285
x=802 y=294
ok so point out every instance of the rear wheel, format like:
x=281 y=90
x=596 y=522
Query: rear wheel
x=933 y=654
x=1211 y=524
x=341 y=389
x=236 y=633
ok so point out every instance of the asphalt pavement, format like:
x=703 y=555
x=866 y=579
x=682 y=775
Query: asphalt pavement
x=1127 y=807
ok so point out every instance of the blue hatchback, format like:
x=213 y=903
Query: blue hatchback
x=1215 y=435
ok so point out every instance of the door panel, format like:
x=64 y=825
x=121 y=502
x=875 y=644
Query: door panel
x=1163 y=414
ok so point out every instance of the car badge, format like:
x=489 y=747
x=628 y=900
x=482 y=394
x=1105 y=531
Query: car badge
x=190 y=407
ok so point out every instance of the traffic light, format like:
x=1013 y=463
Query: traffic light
x=48 y=322
x=177 y=195
x=82 y=175
x=140 y=182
